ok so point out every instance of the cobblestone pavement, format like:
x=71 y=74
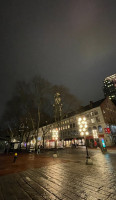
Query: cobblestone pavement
x=72 y=180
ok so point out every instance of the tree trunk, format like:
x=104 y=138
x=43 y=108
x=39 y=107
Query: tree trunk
x=38 y=123
x=43 y=141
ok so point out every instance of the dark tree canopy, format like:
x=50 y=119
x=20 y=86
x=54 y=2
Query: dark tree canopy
x=32 y=104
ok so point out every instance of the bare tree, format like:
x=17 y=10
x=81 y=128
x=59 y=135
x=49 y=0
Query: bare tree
x=34 y=101
x=41 y=89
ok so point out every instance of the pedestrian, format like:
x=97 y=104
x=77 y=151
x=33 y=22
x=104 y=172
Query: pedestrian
x=15 y=157
x=38 y=150
x=95 y=144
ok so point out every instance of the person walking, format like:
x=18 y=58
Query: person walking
x=38 y=150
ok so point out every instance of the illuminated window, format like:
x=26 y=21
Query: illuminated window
x=92 y=114
x=95 y=135
x=93 y=120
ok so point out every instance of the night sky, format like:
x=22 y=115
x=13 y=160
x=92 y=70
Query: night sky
x=69 y=42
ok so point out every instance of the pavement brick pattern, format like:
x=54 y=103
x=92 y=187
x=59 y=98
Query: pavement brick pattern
x=66 y=181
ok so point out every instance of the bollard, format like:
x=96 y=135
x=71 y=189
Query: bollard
x=15 y=157
x=55 y=155
x=89 y=161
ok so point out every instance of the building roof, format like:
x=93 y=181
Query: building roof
x=87 y=107
x=93 y=104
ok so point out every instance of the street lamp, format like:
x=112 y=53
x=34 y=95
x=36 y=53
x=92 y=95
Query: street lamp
x=82 y=123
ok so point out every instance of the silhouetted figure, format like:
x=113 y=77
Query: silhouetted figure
x=38 y=150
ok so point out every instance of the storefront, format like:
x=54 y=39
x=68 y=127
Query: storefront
x=73 y=142
x=50 y=144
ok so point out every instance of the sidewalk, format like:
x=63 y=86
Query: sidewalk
x=112 y=148
x=25 y=161
x=59 y=179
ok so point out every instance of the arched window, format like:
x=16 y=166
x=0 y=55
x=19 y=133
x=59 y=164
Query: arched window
x=100 y=129
x=94 y=128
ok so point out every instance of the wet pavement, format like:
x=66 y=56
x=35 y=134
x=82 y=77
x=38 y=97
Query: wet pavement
x=66 y=177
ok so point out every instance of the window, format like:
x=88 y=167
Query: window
x=96 y=112
x=92 y=114
x=94 y=128
x=70 y=125
x=88 y=121
x=87 y=116
x=93 y=120
x=100 y=129
x=95 y=135
x=97 y=119
x=90 y=130
x=73 y=124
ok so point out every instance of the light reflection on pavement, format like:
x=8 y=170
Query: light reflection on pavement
x=72 y=180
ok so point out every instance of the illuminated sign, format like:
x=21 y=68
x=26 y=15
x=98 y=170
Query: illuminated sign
x=39 y=138
x=107 y=130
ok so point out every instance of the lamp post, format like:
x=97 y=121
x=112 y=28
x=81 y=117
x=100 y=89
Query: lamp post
x=82 y=123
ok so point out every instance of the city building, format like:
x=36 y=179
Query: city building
x=109 y=87
x=101 y=124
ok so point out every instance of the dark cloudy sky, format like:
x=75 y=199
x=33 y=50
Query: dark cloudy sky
x=69 y=42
